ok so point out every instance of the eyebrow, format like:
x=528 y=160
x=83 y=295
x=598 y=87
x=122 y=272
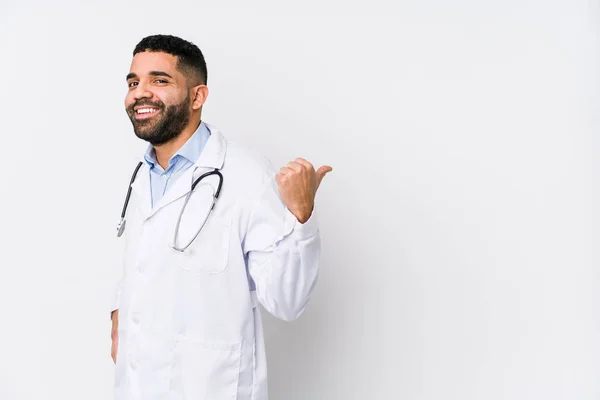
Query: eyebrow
x=151 y=73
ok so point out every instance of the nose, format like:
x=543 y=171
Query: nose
x=141 y=92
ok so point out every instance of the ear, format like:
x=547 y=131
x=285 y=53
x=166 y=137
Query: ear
x=199 y=95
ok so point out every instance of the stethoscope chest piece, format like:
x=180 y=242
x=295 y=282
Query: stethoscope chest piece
x=121 y=227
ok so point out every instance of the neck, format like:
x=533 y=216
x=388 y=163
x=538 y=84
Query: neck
x=165 y=151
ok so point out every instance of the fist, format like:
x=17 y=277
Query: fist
x=298 y=183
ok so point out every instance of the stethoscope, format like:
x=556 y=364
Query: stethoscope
x=215 y=196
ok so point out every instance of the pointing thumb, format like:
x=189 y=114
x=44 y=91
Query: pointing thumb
x=321 y=172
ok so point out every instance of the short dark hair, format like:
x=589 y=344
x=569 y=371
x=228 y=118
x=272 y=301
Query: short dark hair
x=190 y=59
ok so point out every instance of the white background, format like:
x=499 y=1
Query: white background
x=460 y=224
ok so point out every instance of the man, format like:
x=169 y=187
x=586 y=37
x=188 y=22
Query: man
x=185 y=319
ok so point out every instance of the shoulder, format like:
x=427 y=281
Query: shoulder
x=252 y=161
x=246 y=167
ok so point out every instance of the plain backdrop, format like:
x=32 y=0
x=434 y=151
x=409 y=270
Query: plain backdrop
x=460 y=225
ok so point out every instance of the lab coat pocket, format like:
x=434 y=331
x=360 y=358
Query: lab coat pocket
x=209 y=252
x=205 y=370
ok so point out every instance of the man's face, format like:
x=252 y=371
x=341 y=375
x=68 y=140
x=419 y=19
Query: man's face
x=158 y=101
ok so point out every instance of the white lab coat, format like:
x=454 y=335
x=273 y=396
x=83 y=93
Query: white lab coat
x=189 y=326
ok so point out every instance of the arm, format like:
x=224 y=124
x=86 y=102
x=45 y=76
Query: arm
x=282 y=242
x=114 y=335
x=114 y=316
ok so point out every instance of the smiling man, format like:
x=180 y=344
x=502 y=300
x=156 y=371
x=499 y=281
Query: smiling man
x=213 y=230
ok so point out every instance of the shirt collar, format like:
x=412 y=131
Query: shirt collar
x=190 y=150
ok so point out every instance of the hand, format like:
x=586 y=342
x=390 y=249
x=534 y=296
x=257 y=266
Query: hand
x=115 y=335
x=298 y=183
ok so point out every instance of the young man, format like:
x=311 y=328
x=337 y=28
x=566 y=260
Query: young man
x=185 y=319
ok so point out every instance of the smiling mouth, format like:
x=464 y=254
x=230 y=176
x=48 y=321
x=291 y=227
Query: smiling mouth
x=146 y=112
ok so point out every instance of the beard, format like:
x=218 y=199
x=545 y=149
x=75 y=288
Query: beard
x=163 y=127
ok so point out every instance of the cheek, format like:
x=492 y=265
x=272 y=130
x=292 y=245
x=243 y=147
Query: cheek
x=168 y=98
x=129 y=99
x=170 y=95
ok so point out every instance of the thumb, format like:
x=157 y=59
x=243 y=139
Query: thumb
x=321 y=172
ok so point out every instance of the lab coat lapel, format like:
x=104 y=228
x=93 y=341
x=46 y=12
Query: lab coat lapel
x=179 y=188
x=212 y=157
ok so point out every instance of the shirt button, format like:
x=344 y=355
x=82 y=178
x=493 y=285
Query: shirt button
x=135 y=318
x=165 y=176
x=133 y=365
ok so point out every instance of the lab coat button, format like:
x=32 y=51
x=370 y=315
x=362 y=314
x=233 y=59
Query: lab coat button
x=133 y=365
x=135 y=318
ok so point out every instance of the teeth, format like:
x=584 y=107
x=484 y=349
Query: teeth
x=145 y=110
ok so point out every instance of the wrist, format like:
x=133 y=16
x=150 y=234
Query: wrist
x=303 y=214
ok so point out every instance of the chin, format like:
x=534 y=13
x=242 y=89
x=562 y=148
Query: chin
x=144 y=133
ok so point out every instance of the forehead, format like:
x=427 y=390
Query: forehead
x=145 y=62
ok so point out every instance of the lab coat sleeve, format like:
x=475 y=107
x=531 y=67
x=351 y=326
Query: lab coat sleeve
x=283 y=254
x=116 y=297
x=119 y=278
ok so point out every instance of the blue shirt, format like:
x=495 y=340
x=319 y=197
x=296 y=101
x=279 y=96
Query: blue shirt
x=183 y=159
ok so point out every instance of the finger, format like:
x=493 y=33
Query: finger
x=285 y=171
x=295 y=166
x=305 y=163
x=279 y=178
x=321 y=172
x=324 y=170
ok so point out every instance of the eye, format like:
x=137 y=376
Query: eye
x=161 y=81
x=132 y=84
